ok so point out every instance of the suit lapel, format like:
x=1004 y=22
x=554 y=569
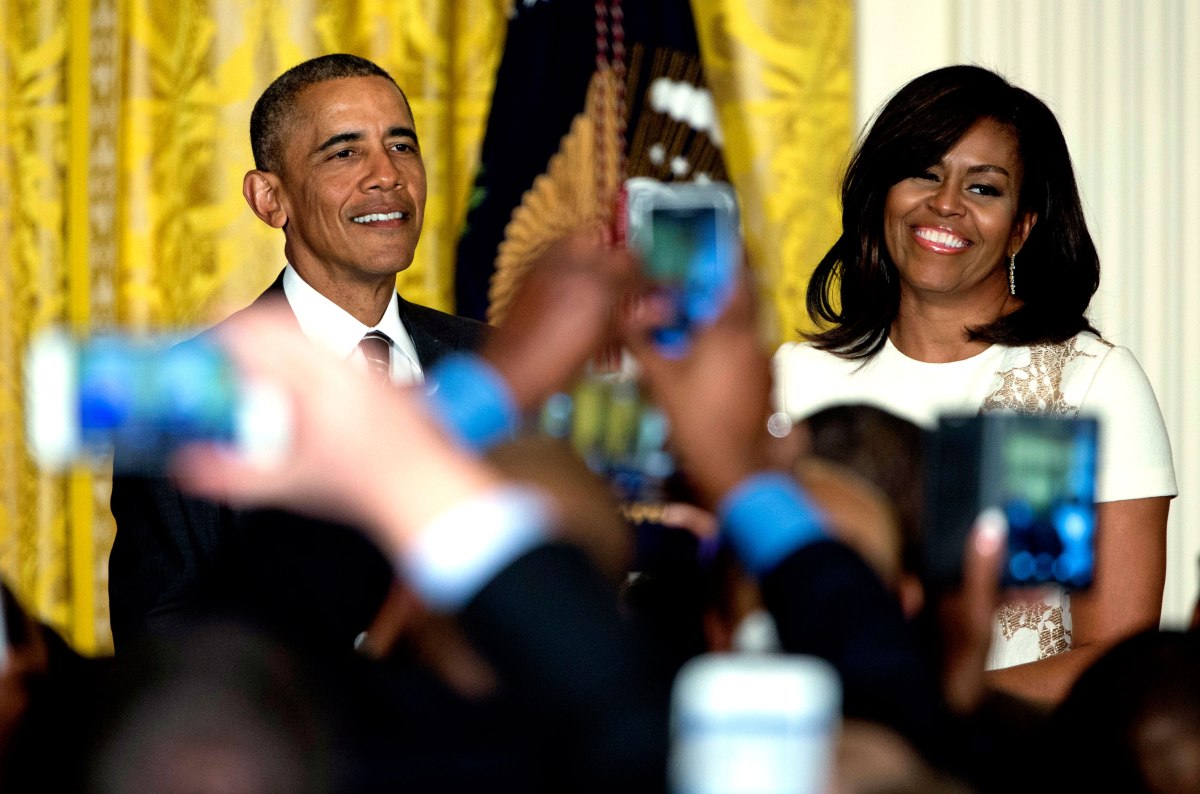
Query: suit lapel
x=429 y=347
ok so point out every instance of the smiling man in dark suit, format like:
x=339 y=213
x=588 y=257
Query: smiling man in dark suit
x=338 y=168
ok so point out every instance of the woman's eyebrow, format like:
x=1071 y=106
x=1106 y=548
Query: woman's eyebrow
x=986 y=168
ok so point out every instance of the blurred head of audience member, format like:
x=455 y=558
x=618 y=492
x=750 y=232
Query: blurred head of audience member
x=862 y=466
x=860 y=515
x=884 y=450
x=214 y=708
x=1132 y=721
x=48 y=696
x=588 y=513
x=872 y=759
x=880 y=447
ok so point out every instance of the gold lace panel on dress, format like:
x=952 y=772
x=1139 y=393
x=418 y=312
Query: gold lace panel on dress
x=1036 y=388
x=1048 y=621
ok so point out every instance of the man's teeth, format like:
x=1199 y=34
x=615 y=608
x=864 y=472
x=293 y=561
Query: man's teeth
x=379 y=216
x=941 y=238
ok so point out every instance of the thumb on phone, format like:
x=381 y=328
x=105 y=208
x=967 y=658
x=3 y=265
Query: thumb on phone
x=968 y=615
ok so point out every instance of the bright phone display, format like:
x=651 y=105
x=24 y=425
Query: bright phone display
x=687 y=235
x=1040 y=470
x=141 y=398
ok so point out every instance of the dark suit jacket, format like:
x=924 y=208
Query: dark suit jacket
x=319 y=582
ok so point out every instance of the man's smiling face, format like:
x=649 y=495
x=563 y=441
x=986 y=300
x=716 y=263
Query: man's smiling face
x=351 y=188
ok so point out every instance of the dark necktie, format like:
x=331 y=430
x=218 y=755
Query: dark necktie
x=376 y=348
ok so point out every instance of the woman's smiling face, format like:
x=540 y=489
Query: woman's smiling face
x=950 y=229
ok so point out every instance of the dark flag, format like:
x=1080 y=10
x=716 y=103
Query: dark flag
x=550 y=58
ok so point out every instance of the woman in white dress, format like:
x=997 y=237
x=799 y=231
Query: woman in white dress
x=961 y=282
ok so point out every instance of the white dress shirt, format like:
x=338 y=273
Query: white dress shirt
x=333 y=328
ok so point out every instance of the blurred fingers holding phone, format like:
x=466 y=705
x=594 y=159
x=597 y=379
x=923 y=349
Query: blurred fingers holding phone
x=691 y=248
x=687 y=241
x=1038 y=470
x=1009 y=504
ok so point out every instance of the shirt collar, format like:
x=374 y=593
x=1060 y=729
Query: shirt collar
x=332 y=327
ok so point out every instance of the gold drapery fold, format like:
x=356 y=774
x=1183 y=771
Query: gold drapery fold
x=34 y=195
x=124 y=142
x=781 y=76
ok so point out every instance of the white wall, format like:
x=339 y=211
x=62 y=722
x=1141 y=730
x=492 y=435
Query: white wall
x=1123 y=77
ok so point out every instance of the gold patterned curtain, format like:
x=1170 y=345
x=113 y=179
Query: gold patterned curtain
x=780 y=73
x=124 y=142
x=125 y=137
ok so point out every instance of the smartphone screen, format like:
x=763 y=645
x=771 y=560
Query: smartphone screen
x=140 y=398
x=688 y=239
x=683 y=260
x=147 y=399
x=1040 y=470
x=1049 y=501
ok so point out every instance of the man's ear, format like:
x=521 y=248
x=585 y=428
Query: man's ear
x=262 y=192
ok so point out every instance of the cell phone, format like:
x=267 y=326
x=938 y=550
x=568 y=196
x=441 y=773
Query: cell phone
x=1040 y=470
x=139 y=398
x=688 y=237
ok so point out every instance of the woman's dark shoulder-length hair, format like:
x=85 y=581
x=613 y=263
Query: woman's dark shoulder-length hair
x=855 y=290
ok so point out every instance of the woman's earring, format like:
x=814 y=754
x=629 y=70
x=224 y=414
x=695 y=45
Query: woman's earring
x=1012 y=274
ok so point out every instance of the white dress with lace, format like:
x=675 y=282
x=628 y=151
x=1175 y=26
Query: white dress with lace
x=1082 y=376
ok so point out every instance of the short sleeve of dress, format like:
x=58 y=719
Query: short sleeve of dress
x=1135 y=454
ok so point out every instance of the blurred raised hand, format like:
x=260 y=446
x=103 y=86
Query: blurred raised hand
x=566 y=310
x=354 y=442
x=716 y=396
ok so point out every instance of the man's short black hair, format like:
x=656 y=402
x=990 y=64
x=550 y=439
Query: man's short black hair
x=274 y=108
